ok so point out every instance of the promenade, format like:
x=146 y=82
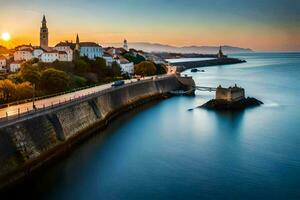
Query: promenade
x=15 y=111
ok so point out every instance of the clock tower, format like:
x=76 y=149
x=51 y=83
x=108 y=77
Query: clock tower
x=44 y=34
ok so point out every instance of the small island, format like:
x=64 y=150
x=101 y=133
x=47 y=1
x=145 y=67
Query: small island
x=232 y=98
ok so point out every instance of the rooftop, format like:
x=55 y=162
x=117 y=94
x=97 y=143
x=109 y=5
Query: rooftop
x=89 y=44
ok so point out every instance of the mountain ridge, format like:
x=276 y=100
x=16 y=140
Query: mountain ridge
x=157 y=47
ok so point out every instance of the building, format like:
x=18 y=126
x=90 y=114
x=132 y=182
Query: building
x=15 y=66
x=63 y=56
x=108 y=58
x=2 y=61
x=24 y=47
x=115 y=51
x=126 y=66
x=23 y=54
x=44 y=34
x=89 y=49
x=50 y=56
x=67 y=47
x=37 y=52
x=125 y=45
x=230 y=94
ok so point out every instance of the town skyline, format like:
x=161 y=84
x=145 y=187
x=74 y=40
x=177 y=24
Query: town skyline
x=105 y=23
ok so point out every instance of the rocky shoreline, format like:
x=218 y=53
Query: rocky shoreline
x=219 y=104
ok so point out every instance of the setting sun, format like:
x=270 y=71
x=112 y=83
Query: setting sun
x=5 y=36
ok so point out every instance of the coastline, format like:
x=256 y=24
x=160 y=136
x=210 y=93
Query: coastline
x=32 y=143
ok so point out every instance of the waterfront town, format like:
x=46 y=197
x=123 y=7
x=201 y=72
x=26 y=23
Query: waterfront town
x=128 y=100
x=44 y=70
x=67 y=52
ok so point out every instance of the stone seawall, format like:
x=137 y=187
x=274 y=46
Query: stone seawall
x=31 y=142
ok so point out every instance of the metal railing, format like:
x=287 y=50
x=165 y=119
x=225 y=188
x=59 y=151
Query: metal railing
x=7 y=114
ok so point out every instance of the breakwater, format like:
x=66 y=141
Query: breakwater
x=30 y=142
x=181 y=66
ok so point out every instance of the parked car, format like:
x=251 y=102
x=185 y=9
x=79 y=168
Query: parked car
x=118 y=83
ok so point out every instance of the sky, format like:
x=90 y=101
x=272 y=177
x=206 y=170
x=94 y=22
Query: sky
x=262 y=25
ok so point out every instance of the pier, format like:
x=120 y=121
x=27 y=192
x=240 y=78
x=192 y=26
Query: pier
x=202 y=88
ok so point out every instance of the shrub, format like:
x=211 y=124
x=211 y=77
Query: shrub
x=145 y=68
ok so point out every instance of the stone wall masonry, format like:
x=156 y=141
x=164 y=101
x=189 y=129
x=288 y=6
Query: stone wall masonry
x=27 y=143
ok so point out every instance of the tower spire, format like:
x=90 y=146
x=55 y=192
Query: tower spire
x=44 y=19
x=77 y=39
x=77 y=46
x=76 y=54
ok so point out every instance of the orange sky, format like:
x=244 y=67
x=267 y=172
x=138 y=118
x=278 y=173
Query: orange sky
x=258 y=31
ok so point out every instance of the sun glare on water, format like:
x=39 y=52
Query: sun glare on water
x=5 y=36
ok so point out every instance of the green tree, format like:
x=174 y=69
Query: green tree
x=136 y=59
x=53 y=80
x=81 y=67
x=161 y=68
x=30 y=73
x=145 y=68
x=99 y=67
x=116 y=69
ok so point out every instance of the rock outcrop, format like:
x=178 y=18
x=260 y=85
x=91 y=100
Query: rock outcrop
x=219 y=104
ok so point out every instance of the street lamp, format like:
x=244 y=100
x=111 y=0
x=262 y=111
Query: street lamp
x=33 y=101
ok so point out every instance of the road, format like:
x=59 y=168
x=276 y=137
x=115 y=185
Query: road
x=44 y=103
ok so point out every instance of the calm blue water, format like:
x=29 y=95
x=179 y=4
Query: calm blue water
x=164 y=151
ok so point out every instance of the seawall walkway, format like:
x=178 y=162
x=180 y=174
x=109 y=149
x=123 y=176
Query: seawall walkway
x=33 y=139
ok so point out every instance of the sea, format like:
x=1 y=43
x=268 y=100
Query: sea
x=171 y=149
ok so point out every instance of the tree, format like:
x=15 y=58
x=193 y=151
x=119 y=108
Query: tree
x=116 y=69
x=161 y=68
x=23 y=91
x=135 y=59
x=81 y=67
x=99 y=67
x=30 y=73
x=7 y=89
x=53 y=80
x=145 y=68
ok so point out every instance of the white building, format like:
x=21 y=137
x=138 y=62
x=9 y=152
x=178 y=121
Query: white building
x=50 y=56
x=108 y=58
x=24 y=54
x=63 y=56
x=15 y=66
x=126 y=66
x=66 y=47
x=37 y=52
x=91 y=50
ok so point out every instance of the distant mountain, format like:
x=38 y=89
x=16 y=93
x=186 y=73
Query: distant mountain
x=155 y=47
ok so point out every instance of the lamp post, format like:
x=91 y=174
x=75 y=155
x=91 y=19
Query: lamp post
x=33 y=101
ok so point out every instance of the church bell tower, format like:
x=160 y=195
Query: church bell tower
x=44 y=34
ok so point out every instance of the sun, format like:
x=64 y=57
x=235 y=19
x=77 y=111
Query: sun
x=5 y=36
